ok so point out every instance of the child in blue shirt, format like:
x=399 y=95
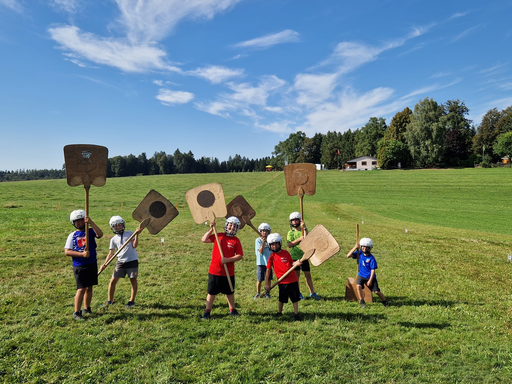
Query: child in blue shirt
x=367 y=266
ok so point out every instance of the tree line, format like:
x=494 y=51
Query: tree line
x=431 y=135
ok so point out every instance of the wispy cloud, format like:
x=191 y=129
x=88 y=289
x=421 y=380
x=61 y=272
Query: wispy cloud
x=69 y=6
x=11 y=4
x=110 y=51
x=151 y=20
x=142 y=24
x=440 y=74
x=465 y=33
x=430 y=88
x=350 y=111
x=170 y=98
x=494 y=70
x=216 y=74
x=287 y=36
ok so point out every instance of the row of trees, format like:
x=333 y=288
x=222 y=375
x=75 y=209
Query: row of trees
x=432 y=135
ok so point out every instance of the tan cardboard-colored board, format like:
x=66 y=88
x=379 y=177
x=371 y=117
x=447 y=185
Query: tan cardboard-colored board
x=204 y=199
x=86 y=164
x=240 y=208
x=158 y=209
x=300 y=179
x=351 y=291
x=323 y=242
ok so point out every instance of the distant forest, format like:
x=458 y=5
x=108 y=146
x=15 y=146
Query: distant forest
x=431 y=135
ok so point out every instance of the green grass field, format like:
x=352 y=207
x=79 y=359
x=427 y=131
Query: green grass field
x=446 y=279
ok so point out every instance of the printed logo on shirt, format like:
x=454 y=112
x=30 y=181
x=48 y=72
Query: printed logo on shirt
x=284 y=260
x=231 y=244
x=81 y=241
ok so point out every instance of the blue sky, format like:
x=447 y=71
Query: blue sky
x=226 y=77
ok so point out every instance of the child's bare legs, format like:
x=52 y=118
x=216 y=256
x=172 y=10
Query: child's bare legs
x=296 y=307
x=258 y=286
x=88 y=297
x=209 y=302
x=381 y=296
x=280 y=307
x=309 y=282
x=79 y=298
x=231 y=301
x=112 y=288
x=360 y=291
x=297 y=272
x=135 y=286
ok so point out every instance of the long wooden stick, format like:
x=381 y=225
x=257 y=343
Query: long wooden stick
x=222 y=255
x=301 y=198
x=87 y=187
x=142 y=225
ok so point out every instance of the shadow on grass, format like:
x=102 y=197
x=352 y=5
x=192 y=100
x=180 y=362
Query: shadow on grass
x=409 y=324
x=397 y=301
x=305 y=316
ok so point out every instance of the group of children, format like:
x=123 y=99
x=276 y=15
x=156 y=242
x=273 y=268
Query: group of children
x=269 y=257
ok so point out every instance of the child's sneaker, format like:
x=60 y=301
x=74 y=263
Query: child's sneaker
x=130 y=304
x=206 y=316
x=300 y=296
x=385 y=303
x=78 y=316
x=315 y=296
x=362 y=302
x=296 y=317
x=107 y=303
x=267 y=295
x=234 y=312
x=256 y=296
x=86 y=311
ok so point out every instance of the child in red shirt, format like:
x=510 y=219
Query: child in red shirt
x=282 y=262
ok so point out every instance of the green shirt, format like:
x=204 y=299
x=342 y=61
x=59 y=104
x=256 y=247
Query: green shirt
x=293 y=235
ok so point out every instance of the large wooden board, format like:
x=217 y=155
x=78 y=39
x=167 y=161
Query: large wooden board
x=323 y=242
x=158 y=209
x=86 y=164
x=204 y=199
x=300 y=179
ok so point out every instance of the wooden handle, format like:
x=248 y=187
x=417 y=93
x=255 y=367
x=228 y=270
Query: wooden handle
x=87 y=187
x=357 y=241
x=301 y=198
x=248 y=222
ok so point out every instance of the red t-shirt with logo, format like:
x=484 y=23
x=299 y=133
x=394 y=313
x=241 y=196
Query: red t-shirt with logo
x=281 y=262
x=231 y=246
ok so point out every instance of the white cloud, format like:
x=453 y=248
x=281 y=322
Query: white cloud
x=11 y=4
x=168 y=97
x=216 y=74
x=430 y=88
x=69 y=6
x=277 y=127
x=313 y=89
x=217 y=108
x=110 y=51
x=287 y=36
x=350 y=111
x=151 y=20
x=465 y=33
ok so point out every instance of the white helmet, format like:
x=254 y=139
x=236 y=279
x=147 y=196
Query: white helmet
x=366 y=242
x=232 y=220
x=274 y=238
x=295 y=215
x=76 y=215
x=114 y=220
x=264 y=227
